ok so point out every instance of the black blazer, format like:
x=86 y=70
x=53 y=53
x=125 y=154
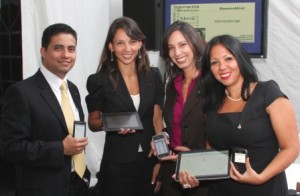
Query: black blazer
x=102 y=96
x=33 y=128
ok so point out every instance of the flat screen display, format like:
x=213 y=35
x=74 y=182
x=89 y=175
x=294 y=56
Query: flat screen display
x=204 y=164
x=243 y=19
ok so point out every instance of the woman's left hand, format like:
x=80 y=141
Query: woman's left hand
x=182 y=149
x=249 y=177
x=126 y=131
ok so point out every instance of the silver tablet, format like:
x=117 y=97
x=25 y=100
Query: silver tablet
x=204 y=164
x=125 y=120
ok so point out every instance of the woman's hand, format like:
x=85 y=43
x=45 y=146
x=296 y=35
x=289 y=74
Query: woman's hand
x=154 y=178
x=171 y=157
x=186 y=180
x=153 y=150
x=126 y=131
x=182 y=149
x=249 y=177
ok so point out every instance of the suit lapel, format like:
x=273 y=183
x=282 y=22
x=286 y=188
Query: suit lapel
x=76 y=98
x=145 y=85
x=191 y=100
x=123 y=93
x=50 y=98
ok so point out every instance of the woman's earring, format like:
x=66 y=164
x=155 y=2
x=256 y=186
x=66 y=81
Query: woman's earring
x=140 y=56
x=171 y=63
x=111 y=56
x=200 y=58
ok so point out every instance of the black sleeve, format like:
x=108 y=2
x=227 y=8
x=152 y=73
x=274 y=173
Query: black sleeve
x=95 y=88
x=272 y=92
x=159 y=87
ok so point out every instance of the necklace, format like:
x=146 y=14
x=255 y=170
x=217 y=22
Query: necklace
x=230 y=98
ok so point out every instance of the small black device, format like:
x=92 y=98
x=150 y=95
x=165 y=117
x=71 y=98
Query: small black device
x=79 y=130
x=125 y=120
x=238 y=158
x=161 y=145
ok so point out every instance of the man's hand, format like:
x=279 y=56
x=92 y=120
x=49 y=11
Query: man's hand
x=74 y=146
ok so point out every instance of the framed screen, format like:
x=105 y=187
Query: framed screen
x=243 y=19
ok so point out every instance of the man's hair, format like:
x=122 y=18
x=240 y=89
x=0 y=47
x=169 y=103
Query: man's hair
x=55 y=29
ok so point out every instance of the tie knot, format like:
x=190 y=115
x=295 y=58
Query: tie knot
x=63 y=86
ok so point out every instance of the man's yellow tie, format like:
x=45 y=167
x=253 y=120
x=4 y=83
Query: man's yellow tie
x=78 y=159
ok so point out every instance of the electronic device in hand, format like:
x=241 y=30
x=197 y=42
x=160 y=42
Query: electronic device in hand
x=207 y=164
x=79 y=130
x=161 y=145
x=238 y=158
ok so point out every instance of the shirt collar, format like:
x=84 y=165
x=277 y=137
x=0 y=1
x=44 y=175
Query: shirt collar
x=53 y=80
x=180 y=78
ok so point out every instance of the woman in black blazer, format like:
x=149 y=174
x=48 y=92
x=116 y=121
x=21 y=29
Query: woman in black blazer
x=182 y=51
x=125 y=82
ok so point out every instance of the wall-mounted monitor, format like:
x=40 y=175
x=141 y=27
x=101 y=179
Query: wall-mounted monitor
x=244 y=19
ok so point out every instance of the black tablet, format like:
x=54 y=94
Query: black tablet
x=125 y=120
x=204 y=164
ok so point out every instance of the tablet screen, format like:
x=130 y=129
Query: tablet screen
x=125 y=120
x=205 y=164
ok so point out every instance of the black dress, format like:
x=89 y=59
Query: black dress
x=250 y=129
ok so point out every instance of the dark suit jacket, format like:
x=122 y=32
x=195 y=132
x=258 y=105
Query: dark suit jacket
x=102 y=96
x=33 y=128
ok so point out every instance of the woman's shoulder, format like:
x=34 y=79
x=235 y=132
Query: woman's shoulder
x=154 y=70
x=98 y=75
x=269 y=86
x=271 y=91
x=155 y=73
x=268 y=83
x=97 y=78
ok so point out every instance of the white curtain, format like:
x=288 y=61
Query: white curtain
x=282 y=62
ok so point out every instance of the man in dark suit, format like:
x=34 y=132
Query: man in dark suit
x=34 y=134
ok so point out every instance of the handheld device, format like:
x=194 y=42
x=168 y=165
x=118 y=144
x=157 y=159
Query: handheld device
x=238 y=158
x=161 y=146
x=79 y=130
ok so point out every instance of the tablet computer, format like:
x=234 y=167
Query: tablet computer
x=204 y=164
x=125 y=120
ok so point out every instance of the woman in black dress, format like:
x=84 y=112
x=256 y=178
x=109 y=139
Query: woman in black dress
x=247 y=113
